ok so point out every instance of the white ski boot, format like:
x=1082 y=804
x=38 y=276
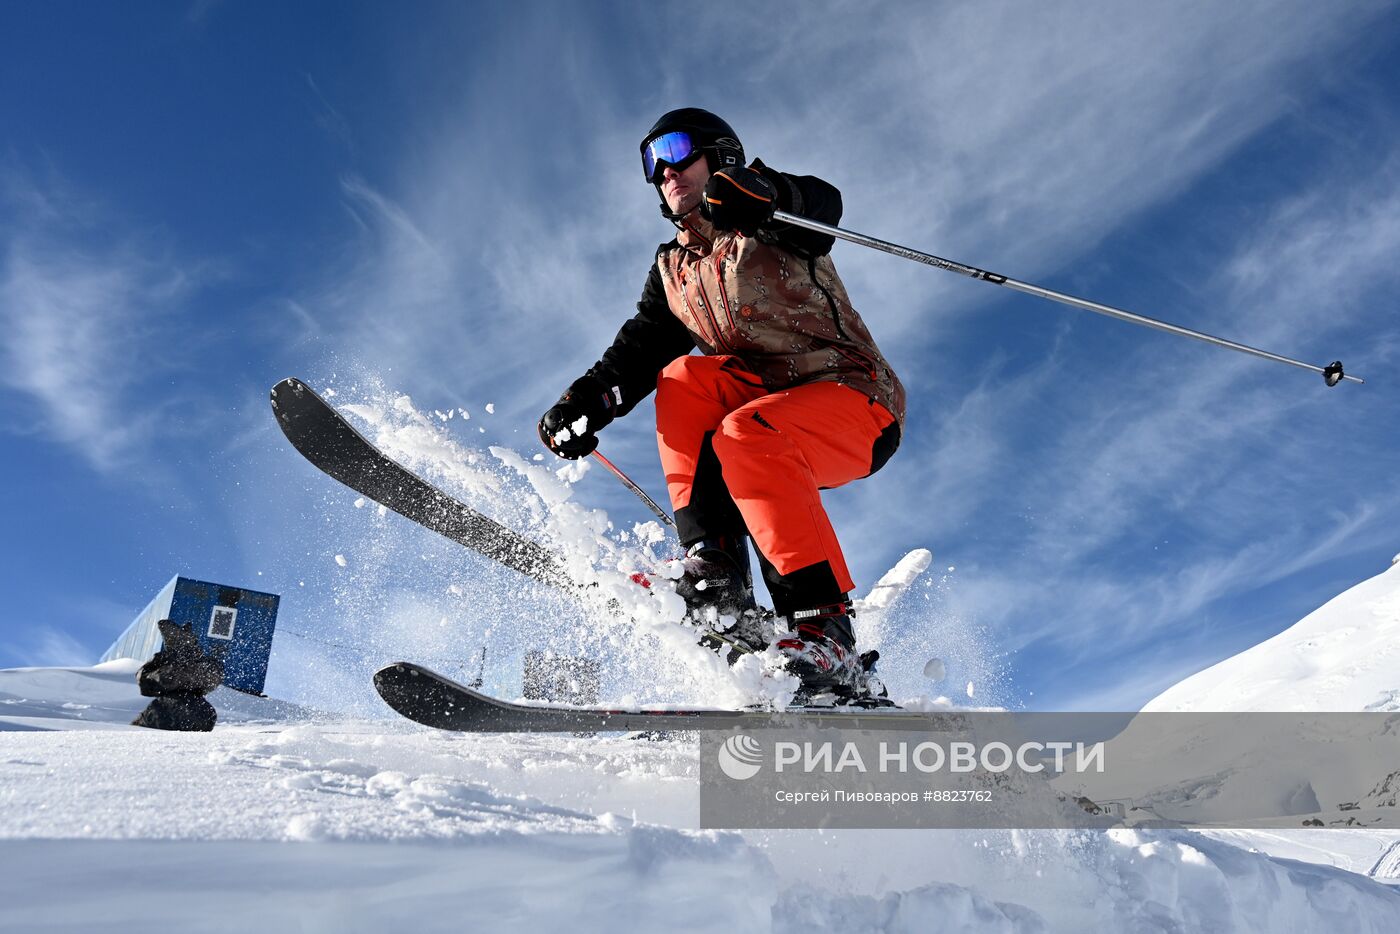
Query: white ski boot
x=821 y=653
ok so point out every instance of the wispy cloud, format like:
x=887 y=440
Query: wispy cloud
x=79 y=306
x=1017 y=153
x=46 y=646
x=328 y=118
x=1242 y=476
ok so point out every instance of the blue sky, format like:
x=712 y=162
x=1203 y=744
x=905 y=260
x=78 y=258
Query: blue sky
x=199 y=199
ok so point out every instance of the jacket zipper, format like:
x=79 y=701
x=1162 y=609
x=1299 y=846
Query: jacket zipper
x=705 y=299
x=709 y=315
x=724 y=298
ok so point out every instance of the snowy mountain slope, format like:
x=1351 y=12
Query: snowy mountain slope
x=345 y=826
x=105 y=696
x=1373 y=853
x=1344 y=656
x=1252 y=770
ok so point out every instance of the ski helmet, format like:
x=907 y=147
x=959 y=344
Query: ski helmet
x=708 y=135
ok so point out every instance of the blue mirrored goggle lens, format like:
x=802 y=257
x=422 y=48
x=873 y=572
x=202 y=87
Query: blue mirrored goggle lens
x=673 y=149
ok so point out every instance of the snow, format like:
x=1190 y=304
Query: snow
x=1344 y=656
x=572 y=472
x=511 y=884
x=873 y=611
x=1227 y=771
x=289 y=818
x=105 y=697
x=1341 y=657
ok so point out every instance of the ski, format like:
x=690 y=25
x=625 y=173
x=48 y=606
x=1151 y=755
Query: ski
x=333 y=445
x=426 y=697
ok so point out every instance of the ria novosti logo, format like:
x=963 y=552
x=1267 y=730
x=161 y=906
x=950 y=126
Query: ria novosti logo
x=740 y=757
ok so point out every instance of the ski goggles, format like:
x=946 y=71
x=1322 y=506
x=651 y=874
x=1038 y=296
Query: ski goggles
x=675 y=149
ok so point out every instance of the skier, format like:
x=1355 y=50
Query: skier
x=790 y=395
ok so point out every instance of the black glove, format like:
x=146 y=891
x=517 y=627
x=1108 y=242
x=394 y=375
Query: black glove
x=739 y=198
x=586 y=399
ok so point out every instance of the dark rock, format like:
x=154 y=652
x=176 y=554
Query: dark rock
x=186 y=712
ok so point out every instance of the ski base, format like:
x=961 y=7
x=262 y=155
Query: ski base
x=333 y=445
x=426 y=697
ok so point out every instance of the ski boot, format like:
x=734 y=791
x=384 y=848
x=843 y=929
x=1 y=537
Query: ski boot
x=717 y=587
x=821 y=653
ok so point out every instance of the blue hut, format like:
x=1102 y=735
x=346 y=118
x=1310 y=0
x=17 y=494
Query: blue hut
x=232 y=623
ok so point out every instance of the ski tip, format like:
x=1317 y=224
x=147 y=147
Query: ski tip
x=397 y=684
x=394 y=671
x=290 y=384
x=395 y=666
x=291 y=400
x=396 y=678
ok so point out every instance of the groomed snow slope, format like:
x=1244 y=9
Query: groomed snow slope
x=280 y=822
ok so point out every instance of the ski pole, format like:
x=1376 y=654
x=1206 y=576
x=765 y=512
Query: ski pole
x=641 y=493
x=1332 y=373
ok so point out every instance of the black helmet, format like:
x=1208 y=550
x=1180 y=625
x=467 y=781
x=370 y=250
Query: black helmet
x=708 y=134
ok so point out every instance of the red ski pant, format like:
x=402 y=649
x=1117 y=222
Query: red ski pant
x=776 y=451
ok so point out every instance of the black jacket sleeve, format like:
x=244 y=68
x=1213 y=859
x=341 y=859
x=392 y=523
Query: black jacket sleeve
x=649 y=340
x=808 y=196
